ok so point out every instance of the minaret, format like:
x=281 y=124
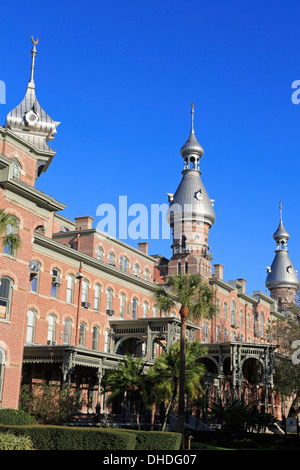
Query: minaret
x=191 y=214
x=282 y=279
x=30 y=122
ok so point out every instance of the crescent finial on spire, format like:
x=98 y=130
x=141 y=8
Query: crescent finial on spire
x=34 y=41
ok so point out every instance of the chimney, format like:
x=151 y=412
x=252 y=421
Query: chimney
x=243 y=282
x=143 y=246
x=84 y=223
x=218 y=271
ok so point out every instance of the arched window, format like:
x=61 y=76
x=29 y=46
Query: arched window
x=6 y=285
x=217 y=334
x=11 y=229
x=218 y=307
x=95 y=338
x=122 y=305
x=106 y=341
x=97 y=297
x=225 y=336
x=34 y=270
x=51 y=328
x=16 y=169
x=31 y=320
x=109 y=299
x=111 y=258
x=82 y=330
x=85 y=293
x=241 y=317
x=134 y=308
x=67 y=331
x=225 y=309
x=261 y=324
x=233 y=313
x=154 y=311
x=145 y=309
x=124 y=263
x=99 y=253
x=248 y=320
x=56 y=281
x=136 y=269
x=233 y=336
x=147 y=274
x=70 y=288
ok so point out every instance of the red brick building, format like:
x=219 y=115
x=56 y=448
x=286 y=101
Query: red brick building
x=73 y=300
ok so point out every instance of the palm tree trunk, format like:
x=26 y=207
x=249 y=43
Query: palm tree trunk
x=184 y=313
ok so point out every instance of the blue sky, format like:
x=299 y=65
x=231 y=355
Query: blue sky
x=120 y=77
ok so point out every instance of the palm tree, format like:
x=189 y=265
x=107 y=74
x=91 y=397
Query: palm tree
x=9 y=239
x=167 y=368
x=196 y=300
x=128 y=380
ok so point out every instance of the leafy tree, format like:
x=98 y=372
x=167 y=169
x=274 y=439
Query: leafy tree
x=128 y=380
x=286 y=333
x=50 y=404
x=196 y=300
x=167 y=368
x=240 y=418
x=11 y=239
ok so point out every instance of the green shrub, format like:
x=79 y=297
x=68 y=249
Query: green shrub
x=69 y=438
x=156 y=440
x=9 y=441
x=15 y=417
x=46 y=437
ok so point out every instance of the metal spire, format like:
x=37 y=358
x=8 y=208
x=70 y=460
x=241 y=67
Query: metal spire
x=192 y=113
x=33 y=54
x=280 y=209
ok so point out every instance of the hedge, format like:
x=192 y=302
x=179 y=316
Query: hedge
x=15 y=417
x=70 y=438
x=155 y=440
x=64 y=438
x=11 y=442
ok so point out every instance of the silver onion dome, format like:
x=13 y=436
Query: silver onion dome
x=282 y=272
x=28 y=120
x=191 y=200
x=191 y=146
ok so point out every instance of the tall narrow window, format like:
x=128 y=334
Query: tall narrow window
x=99 y=253
x=6 y=285
x=205 y=332
x=67 y=331
x=261 y=325
x=233 y=313
x=31 y=326
x=111 y=258
x=134 y=308
x=122 y=305
x=147 y=274
x=124 y=263
x=70 y=288
x=97 y=297
x=109 y=299
x=56 y=281
x=51 y=328
x=225 y=310
x=95 y=338
x=136 y=269
x=145 y=309
x=82 y=329
x=2 y=365
x=84 y=292
x=34 y=270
